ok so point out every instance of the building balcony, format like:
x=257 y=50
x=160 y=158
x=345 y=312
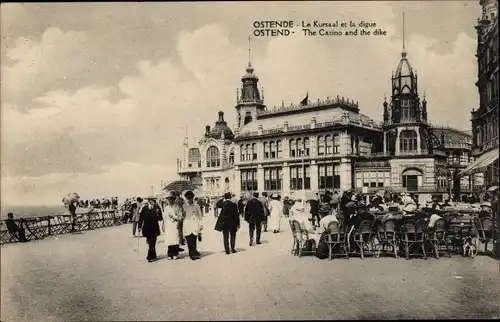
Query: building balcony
x=423 y=189
x=457 y=164
x=485 y=146
x=407 y=153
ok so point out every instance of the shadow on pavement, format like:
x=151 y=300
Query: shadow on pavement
x=206 y=253
x=237 y=250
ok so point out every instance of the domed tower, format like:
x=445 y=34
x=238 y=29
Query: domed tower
x=221 y=131
x=249 y=102
x=406 y=131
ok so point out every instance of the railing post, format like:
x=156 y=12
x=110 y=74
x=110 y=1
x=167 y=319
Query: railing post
x=48 y=225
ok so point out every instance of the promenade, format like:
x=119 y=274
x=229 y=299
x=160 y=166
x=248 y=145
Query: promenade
x=97 y=275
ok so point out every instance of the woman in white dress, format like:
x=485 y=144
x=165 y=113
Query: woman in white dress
x=172 y=215
x=276 y=210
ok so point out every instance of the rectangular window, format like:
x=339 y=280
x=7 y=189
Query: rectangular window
x=279 y=147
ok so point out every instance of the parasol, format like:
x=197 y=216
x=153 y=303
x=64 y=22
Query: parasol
x=384 y=193
x=493 y=188
x=70 y=197
x=304 y=195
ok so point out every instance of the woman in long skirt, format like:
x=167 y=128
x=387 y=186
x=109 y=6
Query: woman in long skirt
x=172 y=215
x=275 y=210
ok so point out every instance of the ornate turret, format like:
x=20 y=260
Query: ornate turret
x=249 y=101
x=405 y=118
x=424 y=110
x=386 y=109
x=221 y=131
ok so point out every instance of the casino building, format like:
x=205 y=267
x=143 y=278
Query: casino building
x=328 y=144
x=484 y=170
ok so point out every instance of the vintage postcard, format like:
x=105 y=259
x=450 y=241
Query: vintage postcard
x=260 y=160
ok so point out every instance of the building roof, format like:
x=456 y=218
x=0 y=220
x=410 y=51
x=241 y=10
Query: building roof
x=179 y=185
x=221 y=129
x=404 y=67
x=452 y=136
x=335 y=114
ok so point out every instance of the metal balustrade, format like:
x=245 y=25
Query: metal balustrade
x=51 y=225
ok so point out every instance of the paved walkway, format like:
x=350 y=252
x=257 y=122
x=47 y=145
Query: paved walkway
x=98 y=276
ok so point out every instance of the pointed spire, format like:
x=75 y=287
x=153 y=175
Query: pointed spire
x=403 y=53
x=249 y=67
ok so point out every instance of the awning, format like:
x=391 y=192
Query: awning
x=482 y=162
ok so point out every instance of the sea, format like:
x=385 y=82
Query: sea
x=32 y=211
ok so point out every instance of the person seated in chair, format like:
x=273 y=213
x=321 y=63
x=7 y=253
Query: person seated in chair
x=14 y=229
x=485 y=210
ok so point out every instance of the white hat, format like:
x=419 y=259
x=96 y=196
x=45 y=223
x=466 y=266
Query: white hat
x=486 y=204
x=274 y=196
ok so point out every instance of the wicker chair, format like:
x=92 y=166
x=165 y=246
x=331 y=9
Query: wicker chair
x=411 y=236
x=302 y=238
x=336 y=237
x=363 y=237
x=295 y=246
x=388 y=236
x=437 y=237
x=485 y=228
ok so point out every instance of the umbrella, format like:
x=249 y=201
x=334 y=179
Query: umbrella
x=384 y=193
x=71 y=197
x=493 y=188
x=304 y=195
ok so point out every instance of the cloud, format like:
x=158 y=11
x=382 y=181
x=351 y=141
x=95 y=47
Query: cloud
x=122 y=180
x=127 y=134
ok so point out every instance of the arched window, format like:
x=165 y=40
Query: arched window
x=248 y=152
x=328 y=144
x=242 y=152
x=266 y=150
x=306 y=146
x=231 y=157
x=272 y=147
x=412 y=179
x=194 y=157
x=336 y=144
x=254 y=151
x=321 y=145
x=300 y=147
x=293 y=148
x=408 y=141
x=213 y=157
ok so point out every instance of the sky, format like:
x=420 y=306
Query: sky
x=95 y=97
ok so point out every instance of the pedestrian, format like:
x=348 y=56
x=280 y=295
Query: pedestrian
x=192 y=224
x=335 y=200
x=254 y=215
x=287 y=204
x=314 y=211
x=172 y=215
x=275 y=210
x=72 y=211
x=135 y=208
x=149 y=218
x=265 y=202
x=228 y=223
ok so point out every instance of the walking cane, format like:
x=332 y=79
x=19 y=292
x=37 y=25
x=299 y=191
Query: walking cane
x=137 y=248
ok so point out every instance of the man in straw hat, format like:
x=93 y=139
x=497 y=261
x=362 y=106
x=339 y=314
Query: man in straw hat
x=149 y=217
x=172 y=215
x=192 y=224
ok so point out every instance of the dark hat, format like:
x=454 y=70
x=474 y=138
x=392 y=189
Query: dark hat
x=227 y=195
x=189 y=193
x=151 y=198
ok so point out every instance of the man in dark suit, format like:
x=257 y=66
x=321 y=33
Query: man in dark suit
x=254 y=215
x=228 y=222
x=149 y=217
